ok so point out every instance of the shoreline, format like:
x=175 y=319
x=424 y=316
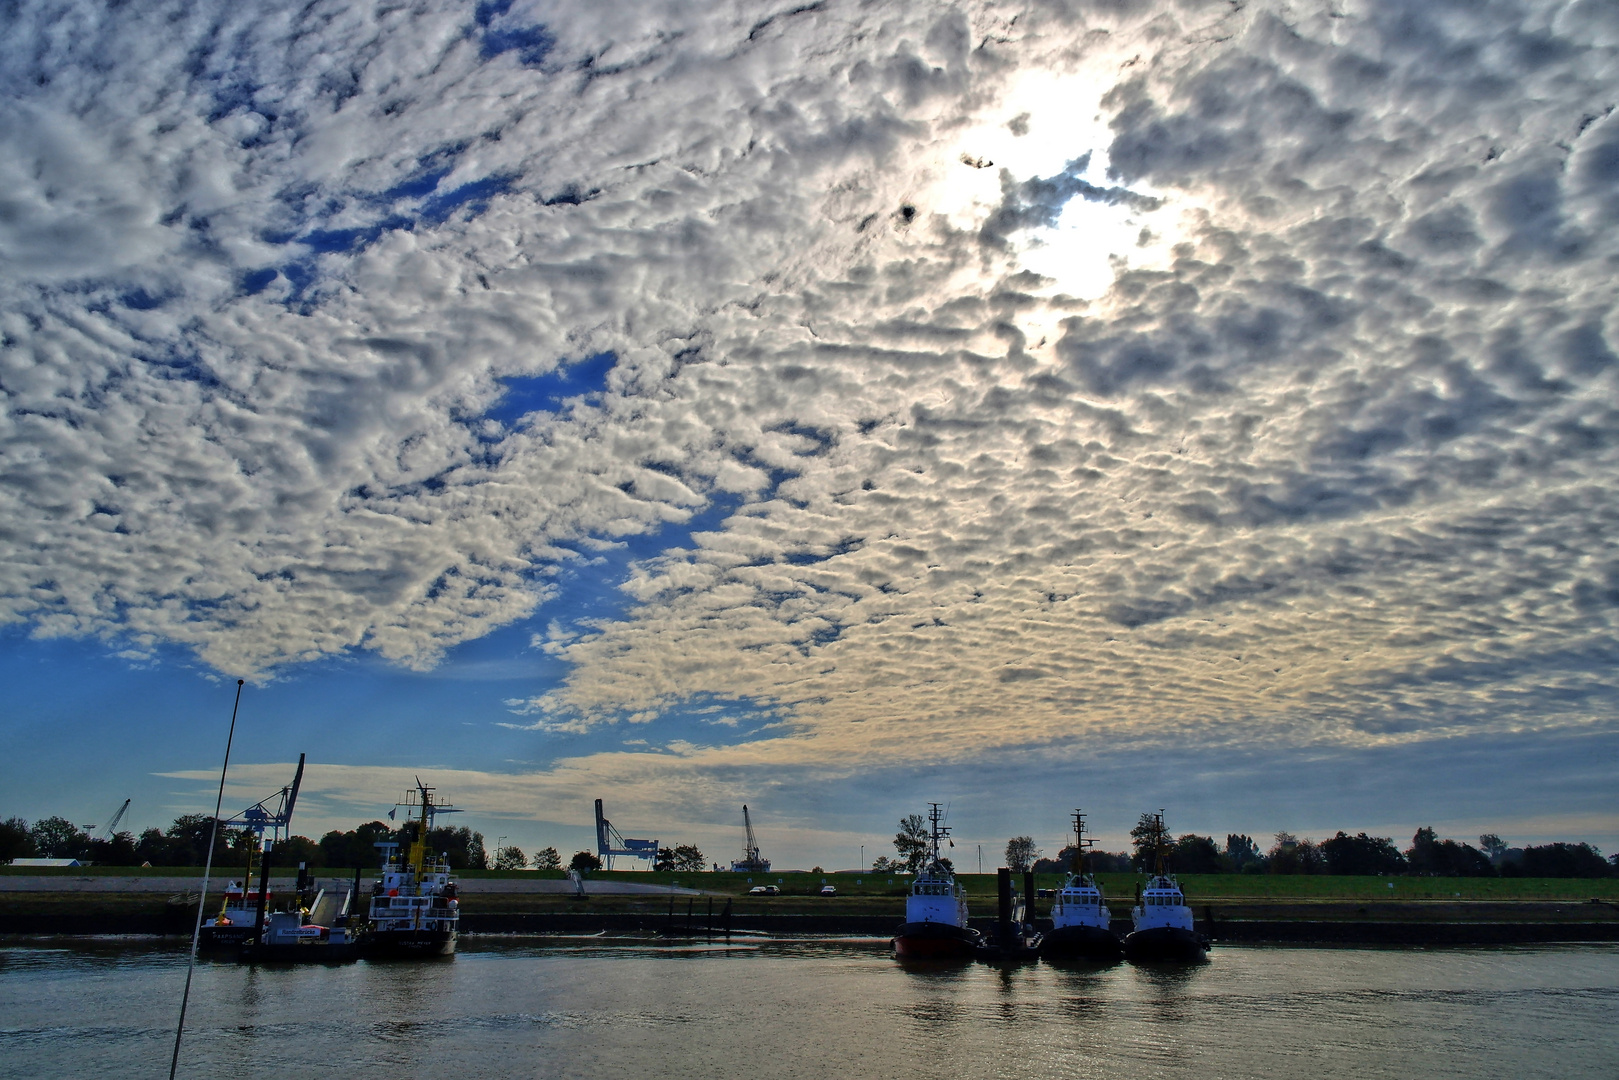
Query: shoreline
x=1546 y=928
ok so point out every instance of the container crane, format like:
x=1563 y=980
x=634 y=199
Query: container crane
x=750 y=862
x=609 y=843
x=260 y=818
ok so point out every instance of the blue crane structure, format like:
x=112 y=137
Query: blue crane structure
x=610 y=843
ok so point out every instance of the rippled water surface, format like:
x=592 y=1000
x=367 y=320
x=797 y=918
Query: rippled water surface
x=798 y=1009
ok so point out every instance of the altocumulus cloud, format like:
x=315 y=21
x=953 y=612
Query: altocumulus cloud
x=1332 y=460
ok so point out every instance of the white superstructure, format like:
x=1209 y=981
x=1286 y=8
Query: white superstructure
x=936 y=898
x=1162 y=906
x=1079 y=903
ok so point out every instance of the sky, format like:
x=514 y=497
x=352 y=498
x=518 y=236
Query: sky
x=831 y=407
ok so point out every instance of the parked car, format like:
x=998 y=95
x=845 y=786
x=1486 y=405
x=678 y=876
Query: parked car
x=764 y=890
x=829 y=890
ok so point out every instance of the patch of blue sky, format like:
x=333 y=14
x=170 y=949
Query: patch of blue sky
x=419 y=200
x=82 y=708
x=526 y=394
x=499 y=34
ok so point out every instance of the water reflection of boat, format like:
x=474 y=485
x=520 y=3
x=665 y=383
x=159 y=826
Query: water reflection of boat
x=935 y=925
x=1080 y=922
x=1161 y=921
x=414 y=907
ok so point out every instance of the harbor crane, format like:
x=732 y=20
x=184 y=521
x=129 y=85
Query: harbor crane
x=609 y=843
x=750 y=862
x=109 y=830
x=260 y=818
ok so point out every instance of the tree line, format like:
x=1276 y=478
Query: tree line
x=185 y=843
x=1361 y=854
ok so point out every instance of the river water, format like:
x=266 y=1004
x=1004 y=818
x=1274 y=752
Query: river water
x=783 y=1010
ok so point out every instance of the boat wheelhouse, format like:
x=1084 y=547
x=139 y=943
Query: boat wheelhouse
x=1081 y=925
x=935 y=923
x=1162 y=922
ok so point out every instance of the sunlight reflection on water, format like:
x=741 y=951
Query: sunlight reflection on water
x=595 y=1008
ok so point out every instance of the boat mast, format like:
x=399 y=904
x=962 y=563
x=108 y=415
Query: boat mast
x=1160 y=846
x=937 y=832
x=418 y=849
x=1080 y=842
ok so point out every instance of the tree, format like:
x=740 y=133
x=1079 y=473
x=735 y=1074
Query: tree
x=583 y=862
x=59 y=838
x=1145 y=839
x=299 y=849
x=1108 y=862
x=1241 y=851
x=665 y=860
x=16 y=841
x=689 y=859
x=1290 y=855
x=1021 y=853
x=912 y=843
x=119 y=851
x=1362 y=854
x=1196 y=855
x=355 y=847
x=882 y=866
x=1492 y=846
x=187 y=839
x=510 y=857
x=1565 y=861
x=463 y=847
x=548 y=859
x=1431 y=856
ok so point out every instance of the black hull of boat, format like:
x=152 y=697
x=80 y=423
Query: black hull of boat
x=342 y=953
x=1081 y=943
x=223 y=937
x=404 y=944
x=1165 y=943
x=935 y=941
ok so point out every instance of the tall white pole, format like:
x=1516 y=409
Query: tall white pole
x=202 y=897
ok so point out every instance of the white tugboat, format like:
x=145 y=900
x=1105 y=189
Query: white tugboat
x=1161 y=921
x=414 y=908
x=1080 y=922
x=935 y=925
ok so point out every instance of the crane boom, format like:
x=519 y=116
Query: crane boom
x=112 y=826
x=751 y=861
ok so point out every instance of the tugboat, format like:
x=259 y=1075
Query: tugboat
x=1079 y=916
x=935 y=925
x=414 y=908
x=1161 y=921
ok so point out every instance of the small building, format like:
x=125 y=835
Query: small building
x=48 y=862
